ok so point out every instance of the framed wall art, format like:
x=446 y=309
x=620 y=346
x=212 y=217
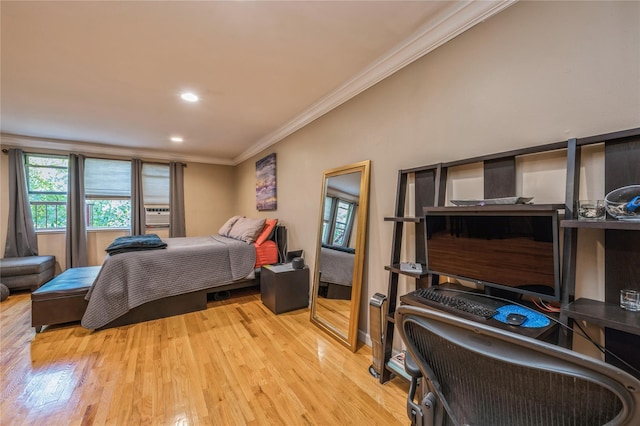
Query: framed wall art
x=266 y=198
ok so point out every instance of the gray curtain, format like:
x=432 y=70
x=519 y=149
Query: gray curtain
x=21 y=234
x=76 y=249
x=176 y=200
x=137 y=199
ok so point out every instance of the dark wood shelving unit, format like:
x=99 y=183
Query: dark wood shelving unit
x=622 y=248
x=425 y=193
x=429 y=192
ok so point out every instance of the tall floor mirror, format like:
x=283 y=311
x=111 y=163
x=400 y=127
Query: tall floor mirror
x=340 y=253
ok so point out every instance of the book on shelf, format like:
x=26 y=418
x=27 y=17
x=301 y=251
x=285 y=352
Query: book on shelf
x=398 y=359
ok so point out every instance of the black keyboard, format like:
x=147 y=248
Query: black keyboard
x=438 y=299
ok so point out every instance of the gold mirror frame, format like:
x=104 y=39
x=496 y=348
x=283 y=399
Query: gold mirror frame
x=350 y=338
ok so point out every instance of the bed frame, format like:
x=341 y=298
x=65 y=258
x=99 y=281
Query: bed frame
x=177 y=305
x=196 y=300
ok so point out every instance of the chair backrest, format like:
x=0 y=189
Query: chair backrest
x=487 y=376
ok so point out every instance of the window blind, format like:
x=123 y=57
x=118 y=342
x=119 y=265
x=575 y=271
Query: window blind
x=155 y=183
x=107 y=178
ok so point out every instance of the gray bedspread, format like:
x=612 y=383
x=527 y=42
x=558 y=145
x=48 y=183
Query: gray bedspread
x=336 y=267
x=188 y=264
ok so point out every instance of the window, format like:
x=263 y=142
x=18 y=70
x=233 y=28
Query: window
x=341 y=223
x=337 y=221
x=47 y=180
x=107 y=186
x=326 y=219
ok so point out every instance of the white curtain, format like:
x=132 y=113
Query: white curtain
x=76 y=248
x=21 y=234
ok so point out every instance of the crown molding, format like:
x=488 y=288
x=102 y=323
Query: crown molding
x=455 y=20
x=65 y=146
x=459 y=17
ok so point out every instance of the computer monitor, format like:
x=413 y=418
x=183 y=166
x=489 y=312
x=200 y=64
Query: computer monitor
x=512 y=248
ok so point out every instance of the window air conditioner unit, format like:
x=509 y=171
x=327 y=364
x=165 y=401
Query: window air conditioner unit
x=157 y=215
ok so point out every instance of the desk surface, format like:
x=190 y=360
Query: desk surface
x=535 y=333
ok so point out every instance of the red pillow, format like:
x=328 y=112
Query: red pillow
x=269 y=224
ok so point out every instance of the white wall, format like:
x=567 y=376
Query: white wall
x=537 y=73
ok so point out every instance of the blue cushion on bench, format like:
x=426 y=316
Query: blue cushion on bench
x=74 y=281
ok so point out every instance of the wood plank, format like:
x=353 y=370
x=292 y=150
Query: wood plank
x=233 y=363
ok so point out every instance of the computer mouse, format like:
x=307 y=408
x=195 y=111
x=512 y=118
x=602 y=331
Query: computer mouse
x=516 y=319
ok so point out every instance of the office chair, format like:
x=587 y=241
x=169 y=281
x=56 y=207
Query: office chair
x=479 y=375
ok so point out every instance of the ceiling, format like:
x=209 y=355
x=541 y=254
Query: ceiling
x=106 y=77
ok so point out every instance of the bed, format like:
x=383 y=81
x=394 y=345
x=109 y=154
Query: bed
x=150 y=283
x=336 y=271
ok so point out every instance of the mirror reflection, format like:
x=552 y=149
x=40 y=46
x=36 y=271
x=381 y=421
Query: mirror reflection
x=340 y=257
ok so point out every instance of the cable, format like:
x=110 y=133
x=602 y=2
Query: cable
x=544 y=307
x=549 y=306
x=603 y=349
x=582 y=333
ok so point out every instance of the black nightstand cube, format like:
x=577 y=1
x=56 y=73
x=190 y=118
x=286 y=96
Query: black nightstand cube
x=283 y=288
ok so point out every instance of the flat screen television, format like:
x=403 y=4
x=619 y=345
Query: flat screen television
x=512 y=248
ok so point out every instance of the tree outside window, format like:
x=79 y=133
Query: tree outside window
x=47 y=181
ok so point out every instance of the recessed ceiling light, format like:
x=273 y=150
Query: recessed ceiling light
x=189 y=97
x=176 y=139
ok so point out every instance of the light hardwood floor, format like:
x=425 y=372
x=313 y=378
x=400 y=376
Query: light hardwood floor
x=235 y=363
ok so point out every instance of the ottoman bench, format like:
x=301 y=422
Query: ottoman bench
x=28 y=272
x=62 y=299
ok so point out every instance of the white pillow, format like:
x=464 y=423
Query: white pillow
x=226 y=228
x=246 y=229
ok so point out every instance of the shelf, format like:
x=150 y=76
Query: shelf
x=601 y=224
x=604 y=314
x=396 y=268
x=404 y=219
x=496 y=208
x=425 y=182
x=397 y=370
